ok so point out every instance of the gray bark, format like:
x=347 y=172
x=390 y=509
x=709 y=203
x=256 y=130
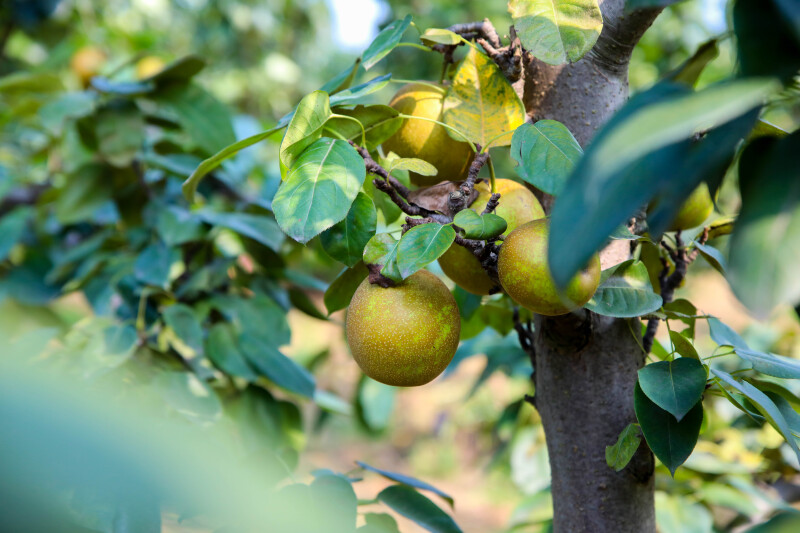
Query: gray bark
x=585 y=365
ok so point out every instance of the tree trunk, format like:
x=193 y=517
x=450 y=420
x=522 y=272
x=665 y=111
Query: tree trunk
x=584 y=364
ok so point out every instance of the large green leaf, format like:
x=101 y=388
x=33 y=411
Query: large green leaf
x=675 y=386
x=356 y=94
x=481 y=103
x=408 y=502
x=206 y=120
x=621 y=452
x=341 y=290
x=766 y=363
x=382 y=250
x=260 y=228
x=765 y=244
x=12 y=228
x=319 y=189
x=345 y=240
x=671 y=441
x=191 y=183
x=625 y=291
x=379 y=122
x=765 y=406
x=154 y=263
x=275 y=366
x=546 y=153
x=306 y=125
x=422 y=245
x=221 y=347
x=557 y=31
x=385 y=42
x=645 y=151
x=375 y=404
x=689 y=72
x=179 y=71
x=477 y=226
x=767 y=41
x=407 y=480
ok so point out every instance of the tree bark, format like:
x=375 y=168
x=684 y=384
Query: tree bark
x=585 y=365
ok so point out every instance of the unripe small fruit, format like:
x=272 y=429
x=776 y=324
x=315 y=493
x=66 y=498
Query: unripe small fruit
x=426 y=140
x=525 y=275
x=86 y=63
x=149 y=66
x=518 y=205
x=694 y=210
x=404 y=335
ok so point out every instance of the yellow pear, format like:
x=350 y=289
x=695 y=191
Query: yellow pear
x=518 y=205
x=404 y=335
x=426 y=140
x=525 y=275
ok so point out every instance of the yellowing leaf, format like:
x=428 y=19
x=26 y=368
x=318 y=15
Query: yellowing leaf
x=481 y=102
x=557 y=31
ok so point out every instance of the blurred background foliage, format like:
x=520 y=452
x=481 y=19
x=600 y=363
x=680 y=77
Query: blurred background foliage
x=110 y=279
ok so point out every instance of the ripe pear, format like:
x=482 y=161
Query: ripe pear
x=404 y=335
x=694 y=211
x=149 y=66
x=525 y=275
x=426 y=140
x=518 y=205
x=87 y=62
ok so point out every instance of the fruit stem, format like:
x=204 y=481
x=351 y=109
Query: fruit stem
x=451 y=128
x=360 y=125
x=491 y=174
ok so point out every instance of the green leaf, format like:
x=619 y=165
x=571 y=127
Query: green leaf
x=433 y=36
x=341 y=291
x=621 y=453
x=557 y=31
x=645 y=151
x=671 y=441
x=259 y=316
x=191 y=183
x=306 y=125
x=67 y=106
x=276 y=367
x=179 y=71
x=481 y=103
x=177 y=226
x=189 y=396
x=86 y=190
x=345 y=240
x=153 y=264
x=422 y=245
x=378 y=523
x=689 y=72
x=206 y=120
x=409 y=481
x=764 y=405
x=546 y=153
x=222 y=349
x=480 y=227
x=338 y=83
x=412 y=164
x=260 y=228
x=408 y=502
x=765 y=243
x=712 y=256
x=356 y=94
x=385 y=42
x=682 y=345
x=675 y=386
x=334 y=503
x=723 y=335
x=379 y=122
x=625 y=291
x=767 y=41
x=382 y=250
x=301 y=301
x=375 y=404
x=319 y=189
x=780 y=523
x=766 y=363
x=12 y=228
x=121 y=88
